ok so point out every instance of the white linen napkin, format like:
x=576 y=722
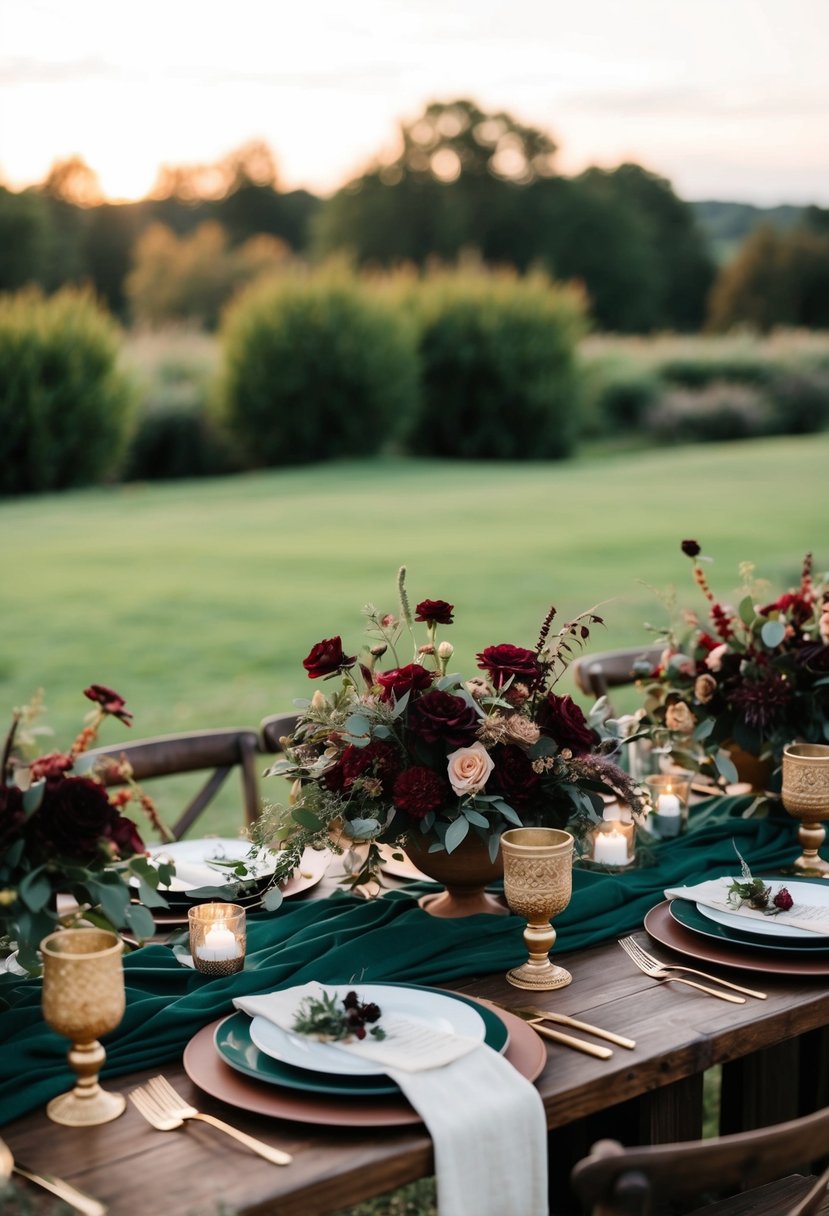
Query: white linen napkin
x=714 y=894
x=486 y=1121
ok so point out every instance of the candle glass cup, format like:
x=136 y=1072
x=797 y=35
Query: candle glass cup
x=538 y=881
x=83 y=998
x=805 y=795
x=670 y=794
x=613 y=843
x=217 y=938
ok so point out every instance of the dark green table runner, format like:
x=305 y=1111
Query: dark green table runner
x=343 y=939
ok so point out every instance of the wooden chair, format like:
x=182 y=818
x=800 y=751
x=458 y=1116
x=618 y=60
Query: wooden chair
x=198 y=751
x=596 y=674
x=274 y=728
x=617 y=1181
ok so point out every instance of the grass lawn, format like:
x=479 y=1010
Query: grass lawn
x=198 y=600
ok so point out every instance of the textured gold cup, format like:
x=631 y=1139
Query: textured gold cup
x=538 y=883
x=83 y=998
x=805 y=795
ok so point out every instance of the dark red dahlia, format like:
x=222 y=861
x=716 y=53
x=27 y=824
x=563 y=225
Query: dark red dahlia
x=417 y=791
x=563 y=720
x=124 y=835
x=513 y=776
x=412 y=678
x=436 y=612
x=110 y=702
x=504 y=662
x=762 y=703
x=441 y=717
x=326 y=657
x=74 y=816
x=377 y=759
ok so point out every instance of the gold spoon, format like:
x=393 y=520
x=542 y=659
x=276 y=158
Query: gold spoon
x=64 y=1190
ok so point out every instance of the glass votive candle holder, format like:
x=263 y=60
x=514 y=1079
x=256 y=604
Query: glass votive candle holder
x=217 y=938
x=670 y=793
x=613 y=841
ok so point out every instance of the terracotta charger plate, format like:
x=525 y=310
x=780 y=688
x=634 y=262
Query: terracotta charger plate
x=664 y=929
x=526 y=1051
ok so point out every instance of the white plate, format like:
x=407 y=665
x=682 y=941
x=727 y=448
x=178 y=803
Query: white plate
x=193 y=859
x=801 y=892
x=440 y=1012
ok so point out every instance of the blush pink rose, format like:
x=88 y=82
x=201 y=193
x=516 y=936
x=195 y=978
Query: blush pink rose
x=468 y=769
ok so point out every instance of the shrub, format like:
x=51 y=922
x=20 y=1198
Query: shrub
x=799 y=400
x=621 y=393
x=315 y=367
x=720 y=411
x=698 y=371
x=64 y=402
x=498 y=370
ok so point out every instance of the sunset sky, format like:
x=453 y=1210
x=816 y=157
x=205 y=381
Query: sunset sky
x=727 y=98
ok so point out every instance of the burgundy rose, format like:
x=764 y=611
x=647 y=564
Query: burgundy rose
x=563 y=720
x=110 y=702
x=436 y=612
x=73 y=817
x=377 y=759
x=12 y=814
x=690 y=548
x=124 y=835
x=783 y=900
x=417 y=791
x=412 y=678
x=441 y=717
x=513 y=776
x=504 y=662
x=55 y=765
x=326 y=657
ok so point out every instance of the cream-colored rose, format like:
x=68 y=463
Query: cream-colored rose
x=469 y=768
x=713 y=660
x=521 y=730
x=704 y=688
x=678 y=717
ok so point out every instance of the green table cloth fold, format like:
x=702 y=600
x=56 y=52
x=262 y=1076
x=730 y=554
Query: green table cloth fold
x=343 y=939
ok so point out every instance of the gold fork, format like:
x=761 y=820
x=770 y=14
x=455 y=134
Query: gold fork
x=165 y=1109
x=656 y=962
x=657 y=972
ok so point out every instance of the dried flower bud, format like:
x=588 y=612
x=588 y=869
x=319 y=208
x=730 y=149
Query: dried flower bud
x=704 y=688
x=783 y=900
x=446 y=649
x=428 y=648
x=319 y=700
x=690 y=548
x=379 y=650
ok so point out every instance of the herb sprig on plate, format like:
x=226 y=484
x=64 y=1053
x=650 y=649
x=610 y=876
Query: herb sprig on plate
x=324 y=1017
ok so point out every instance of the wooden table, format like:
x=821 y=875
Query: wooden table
x=651 y=1094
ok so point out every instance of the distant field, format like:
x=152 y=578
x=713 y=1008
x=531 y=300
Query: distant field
x=199 y=600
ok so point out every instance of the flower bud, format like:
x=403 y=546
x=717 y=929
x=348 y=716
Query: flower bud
x=427 y=649
x=319 y=700
x=446 y=650
x=379 y=650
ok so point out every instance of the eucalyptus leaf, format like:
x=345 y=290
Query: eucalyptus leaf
x=748 y=613
x=33 y=796
x=475 y=817
x=726 y=767
x=360 y=829
x=272 y=899
x=356 y=724
x=507 y=811
x=35 y=889
x=773 y=633
x=400 y=705
x=703 y=729
x=140 y=921
x=307 y=819
x=457 y=831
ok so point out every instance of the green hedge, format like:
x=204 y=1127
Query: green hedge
x=64 y=403
x=315 y=368
x=498 y=369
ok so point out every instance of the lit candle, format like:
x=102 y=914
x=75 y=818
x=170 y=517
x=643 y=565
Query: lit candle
x=610 y=848
x=219 y=944
x=668 y=814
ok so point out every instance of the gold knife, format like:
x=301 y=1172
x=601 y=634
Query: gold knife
x=561 y=1019
x=64 y=1190
x=566 y=1040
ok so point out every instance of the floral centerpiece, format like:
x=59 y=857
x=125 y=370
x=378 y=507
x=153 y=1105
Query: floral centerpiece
x=754 y=675
x=414 y=749
x=61 y=832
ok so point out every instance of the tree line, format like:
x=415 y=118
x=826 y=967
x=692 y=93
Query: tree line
x=464 y=181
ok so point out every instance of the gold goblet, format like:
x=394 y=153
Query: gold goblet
x=805 y=796
x=83 y=997
x=538 y=883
